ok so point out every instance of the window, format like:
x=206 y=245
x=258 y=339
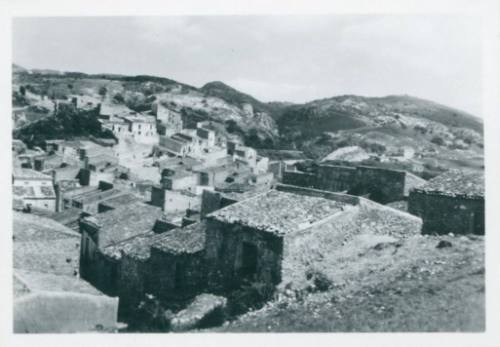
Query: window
x=249 y=255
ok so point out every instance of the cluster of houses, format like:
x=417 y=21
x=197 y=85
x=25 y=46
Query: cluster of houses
x=216 y=214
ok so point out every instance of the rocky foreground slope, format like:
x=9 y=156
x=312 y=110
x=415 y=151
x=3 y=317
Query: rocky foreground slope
x=419 y=283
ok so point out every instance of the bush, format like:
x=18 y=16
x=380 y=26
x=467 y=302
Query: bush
x=119 y=98
x=437 y=140
x=320 y=282
x=103 y=91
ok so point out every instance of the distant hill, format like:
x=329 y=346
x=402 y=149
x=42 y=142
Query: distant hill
x=379 y=125
x=233 y=96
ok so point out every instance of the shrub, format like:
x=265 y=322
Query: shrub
x=437 y=140
x=119 y=98
x=320 y=282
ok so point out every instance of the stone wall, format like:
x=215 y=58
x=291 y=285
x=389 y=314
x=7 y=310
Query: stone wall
x=382 y=185
x=98 y=269
x=335 y=178
x=301 y=179
x=175 y=277
x=447 y=214
x=133 y=273
x=224 y=255
x=213 y=201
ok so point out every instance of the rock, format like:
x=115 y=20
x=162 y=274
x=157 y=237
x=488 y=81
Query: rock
x=205 y=310
x=443 y=244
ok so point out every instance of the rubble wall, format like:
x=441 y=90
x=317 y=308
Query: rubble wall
x=443 y=214
x=224 y=252
x=172 y=277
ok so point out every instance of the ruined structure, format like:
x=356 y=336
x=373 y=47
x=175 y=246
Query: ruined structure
x=381 y=185
x=450 y=203
x=98 y=263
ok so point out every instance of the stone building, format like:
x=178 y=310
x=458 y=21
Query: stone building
x=246 y=240
x=170 y=120
x=132 y=125
x=98 y=263
x=264 y=238
x=450 y=203
x=173 y=201
x=33 y=189
x=162 y=262
x=379 y=184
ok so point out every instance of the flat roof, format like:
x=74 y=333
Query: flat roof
x=29 y=174
x=278 y=212
x=39 y=281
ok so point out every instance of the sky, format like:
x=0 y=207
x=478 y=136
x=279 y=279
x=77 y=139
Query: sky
x=273 y=58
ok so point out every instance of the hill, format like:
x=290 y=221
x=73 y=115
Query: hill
x=439 y=135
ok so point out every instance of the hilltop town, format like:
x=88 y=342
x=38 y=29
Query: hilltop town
x=143 y=204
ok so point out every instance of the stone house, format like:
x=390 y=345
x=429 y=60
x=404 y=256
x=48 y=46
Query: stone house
x=214 y=176
x=450 y=203
x=168 y=264
x=173 y=201
x=247 y=240
x=169 y=119
x=98 y=263
x=263 y=238
x=379 y=184
x=33 y=189
x=179 y=180
x=178 y=145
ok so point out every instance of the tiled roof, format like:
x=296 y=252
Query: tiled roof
x=125 y=222
x=137 y=247
x=190 y=239
x=120 y=200
x=456 y=183
x=278 y=212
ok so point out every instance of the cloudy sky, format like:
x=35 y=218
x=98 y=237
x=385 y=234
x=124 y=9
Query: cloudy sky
x=285 y=58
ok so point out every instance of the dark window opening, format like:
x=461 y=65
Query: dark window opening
x=249 y=260
x=180 y=276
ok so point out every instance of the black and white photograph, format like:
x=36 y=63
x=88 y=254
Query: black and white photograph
x=262 y=172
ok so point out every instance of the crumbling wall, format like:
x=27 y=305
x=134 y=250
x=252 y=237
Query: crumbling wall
x=131 y=284
x=336 y=178
x=443 y=214
x=382 y=185
x=224 y=255
x=213 y=201
x=301 y=179
x=172 y=277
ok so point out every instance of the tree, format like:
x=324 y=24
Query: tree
x=103 y=91
x=22 y=90
x=119 y=98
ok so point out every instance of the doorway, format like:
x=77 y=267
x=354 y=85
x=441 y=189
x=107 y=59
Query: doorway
x=249 y=260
